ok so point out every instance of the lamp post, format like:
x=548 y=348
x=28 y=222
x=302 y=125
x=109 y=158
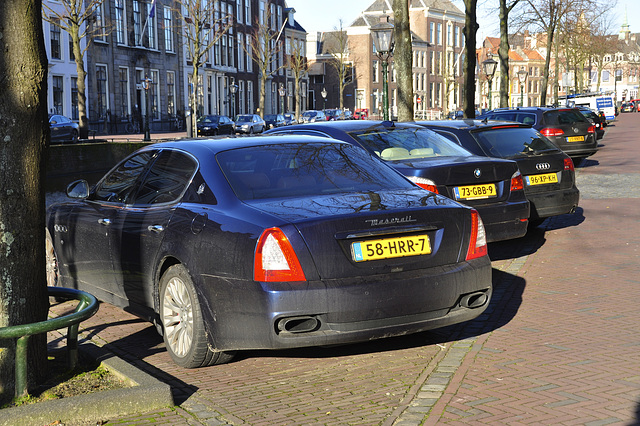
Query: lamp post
x=382 y=34
x=489 y=68
x=233 y=88
x=359 y=96
x=522 y=76
x=145 y=85
x=324 y=97
x=281 y=92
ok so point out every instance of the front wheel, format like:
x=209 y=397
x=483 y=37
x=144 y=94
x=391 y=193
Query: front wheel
x=182 y=322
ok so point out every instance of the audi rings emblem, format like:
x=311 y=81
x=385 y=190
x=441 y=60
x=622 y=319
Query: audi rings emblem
x=477 y=173
x=59 y=228
x=543 y=166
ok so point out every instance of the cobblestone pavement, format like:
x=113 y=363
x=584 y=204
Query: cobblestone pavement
x=559 y=343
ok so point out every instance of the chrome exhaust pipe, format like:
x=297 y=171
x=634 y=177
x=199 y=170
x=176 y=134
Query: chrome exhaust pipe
x=302 y=324
x=474 y=300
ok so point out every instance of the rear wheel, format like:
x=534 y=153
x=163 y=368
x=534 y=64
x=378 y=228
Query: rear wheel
x=184 y=331
x=74 y=136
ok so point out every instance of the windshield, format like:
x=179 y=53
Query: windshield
x=408 y=143
x=305 y=169
x=309 y=114
x=209 y=119
x=243 y=118
x=270 y=117
x=509 y=142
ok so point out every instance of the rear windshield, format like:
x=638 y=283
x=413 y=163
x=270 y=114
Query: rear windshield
x=510 y=142
x=408 y=143
x=305 y=169
x=563 y=116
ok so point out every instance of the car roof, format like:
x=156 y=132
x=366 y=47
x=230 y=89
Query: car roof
x=352 y=125
x=472 y=124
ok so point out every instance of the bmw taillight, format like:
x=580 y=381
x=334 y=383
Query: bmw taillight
x=275 y=259
x=568 y=164
x=424 y=183
x=517 y=184
x=591 y=129
x=549 y=131
x=478 y=240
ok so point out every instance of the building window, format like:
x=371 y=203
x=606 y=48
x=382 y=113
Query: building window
x=241 y=94
x=151 y=25
x=247 y=12
x=250 y=108
x=168 y=30
x=240 y=52
x=74 y=98
x=101 y=91
x=55 y=40
x=239 y=11
x=171 y=93
x=248 y=51
x=431 y=32
x=375 y=71
x=439 y=35
x=123 y=83
x=120 y=22
x=99 y=22
x=58 y=95
x=137 y=26
x=456 y=37
x=154 y=90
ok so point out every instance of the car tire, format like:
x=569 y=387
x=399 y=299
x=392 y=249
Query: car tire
x=251 y=130
x=51 y=261
x=74 y=136
x=182 y=322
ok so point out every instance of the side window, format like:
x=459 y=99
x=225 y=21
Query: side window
x=119 y=184
x=167 y=179
x=526 y=118
x=508 y=116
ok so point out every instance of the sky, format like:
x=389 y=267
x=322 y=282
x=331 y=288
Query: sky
x=325 y=15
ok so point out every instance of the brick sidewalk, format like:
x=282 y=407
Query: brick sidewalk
x=558 y=345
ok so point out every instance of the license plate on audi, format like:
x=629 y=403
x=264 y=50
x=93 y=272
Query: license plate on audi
x=541 y=179
x=390 y=247
x=575 y=138
x=475 y=191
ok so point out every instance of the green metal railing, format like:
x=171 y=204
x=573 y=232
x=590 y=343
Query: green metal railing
x=87 y=307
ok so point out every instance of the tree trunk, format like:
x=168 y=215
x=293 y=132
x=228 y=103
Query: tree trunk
x=470 y=30
x=23 y=131
x=503 y=54
x=403 y=60
x=81 y=82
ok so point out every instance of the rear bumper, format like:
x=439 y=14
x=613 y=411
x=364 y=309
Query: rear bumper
x=553 y=203
x=505 y=221
x=244 y=315
x=578 y=149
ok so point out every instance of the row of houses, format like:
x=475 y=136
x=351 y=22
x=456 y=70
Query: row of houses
x=141 y=65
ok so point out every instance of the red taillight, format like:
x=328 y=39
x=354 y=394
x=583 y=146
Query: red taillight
x=424 y=183
x=568 y=164
x=275 y=259
x=592 y=129
x=478 y=240
x=517 y=184
x=552 y=132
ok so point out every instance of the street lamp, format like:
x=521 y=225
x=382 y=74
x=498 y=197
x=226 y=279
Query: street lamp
x=382 y=34
x=233 y=88
x=281 y=92
x=489 y=68
x=145 y=85
x=359 y=96
x=324 y=97
x=522 y=76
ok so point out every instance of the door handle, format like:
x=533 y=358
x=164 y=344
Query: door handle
x=105 y=222
x=155 y=228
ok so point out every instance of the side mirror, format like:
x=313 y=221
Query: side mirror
x=78 y=189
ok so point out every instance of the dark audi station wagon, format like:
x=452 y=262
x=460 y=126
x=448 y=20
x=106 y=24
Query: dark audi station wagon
x=548 y=173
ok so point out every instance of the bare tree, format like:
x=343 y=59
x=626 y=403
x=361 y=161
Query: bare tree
x=81 y=20
x=337 y=46
x=264 y=47
x=470 y=29
x=203 y=26
x=506 y=6
x=24 y=132
x=298 y=67
x=403 y=55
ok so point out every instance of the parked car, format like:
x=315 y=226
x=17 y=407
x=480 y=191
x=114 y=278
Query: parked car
x=62 y=129
x=598 y=120
x=212 y=125
x=627 y=107
x=636 y=104
x=361 y=114
x=567 y=128
x=289 y=118
x=274 y=120
x=268 y=243
x=348 y=115
x=549 y=175
x=311 y=116
x=250 y=124
x=492 y=186
x=334 y=114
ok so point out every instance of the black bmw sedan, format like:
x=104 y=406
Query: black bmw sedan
x=268 y=243
x=549 y=174
x=492 y=186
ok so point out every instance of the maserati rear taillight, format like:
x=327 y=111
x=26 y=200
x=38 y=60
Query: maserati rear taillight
x=549 y=131
x=568 y=164
x=424 y=183
x=517 y=184
x=478 y=241
x=275 y=259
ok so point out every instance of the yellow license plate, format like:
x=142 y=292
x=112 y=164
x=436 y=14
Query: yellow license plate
x=575 y=139
x=541 y=179
x=475 y=191
x=390 y=247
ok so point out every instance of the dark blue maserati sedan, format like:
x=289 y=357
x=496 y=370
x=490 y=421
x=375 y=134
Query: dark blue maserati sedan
x=268 y=243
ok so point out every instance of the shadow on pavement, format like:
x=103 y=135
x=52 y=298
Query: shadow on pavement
x=564 y=220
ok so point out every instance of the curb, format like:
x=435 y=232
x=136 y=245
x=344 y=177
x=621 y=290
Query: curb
x=146 y=394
